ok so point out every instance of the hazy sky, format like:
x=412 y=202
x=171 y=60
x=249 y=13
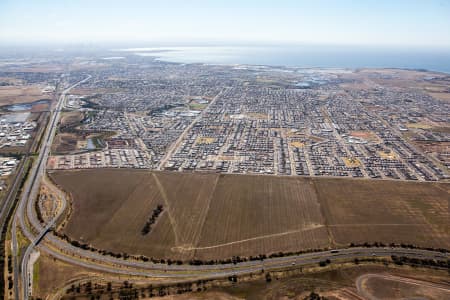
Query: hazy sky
x=364 y=22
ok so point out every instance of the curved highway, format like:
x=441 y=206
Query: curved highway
x=30 y=192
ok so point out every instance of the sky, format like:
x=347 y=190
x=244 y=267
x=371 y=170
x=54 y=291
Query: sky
x=421 y=23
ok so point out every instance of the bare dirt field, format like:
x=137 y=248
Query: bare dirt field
x=340 y=284
x=385 y=211
x=20 y=94
x=444 y=96
x=347 y=282
x=385 y=286
x=117 y=205
x=65 y=143
x=67 y=140
x=72 y=118
x=50 y=275
x=261 y=214
x=187 y=199
x=212 y=216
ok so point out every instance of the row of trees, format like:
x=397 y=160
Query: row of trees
x=324 y=263
x=232 y=260
x=152 y=220
x=425 y=262
x=314 y=296
x=127 y=290
x=394 y=245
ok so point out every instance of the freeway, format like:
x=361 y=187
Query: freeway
x=64 y=251
x=9 y=199
x=223 y=271
x=8 y=204
x=30 y=191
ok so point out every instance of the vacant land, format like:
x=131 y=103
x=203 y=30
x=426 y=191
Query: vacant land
x=65 y=143
x=187 y=199
x=334 y=284
x=71 y=119
x=249 y=215
x=51 y=275
x=386 y=286
x=67 y=139
x=20 y=94
x=361 y=211
x=211 y=216
x=116 y=207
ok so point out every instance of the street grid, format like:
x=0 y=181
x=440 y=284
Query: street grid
x=229 y=120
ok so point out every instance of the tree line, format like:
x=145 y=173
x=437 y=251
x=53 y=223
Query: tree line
x=232 y=260
x=152 y=220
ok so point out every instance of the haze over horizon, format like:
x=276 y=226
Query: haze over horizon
x=369 y=23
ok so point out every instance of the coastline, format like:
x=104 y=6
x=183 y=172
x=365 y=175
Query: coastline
x=295 y=58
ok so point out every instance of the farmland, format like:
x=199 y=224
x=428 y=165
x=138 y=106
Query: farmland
x=249 y=215
x=368 y=211
x=212 y=216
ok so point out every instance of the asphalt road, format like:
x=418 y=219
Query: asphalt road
x=30 y=192
x=7 y=205
x=95 y=261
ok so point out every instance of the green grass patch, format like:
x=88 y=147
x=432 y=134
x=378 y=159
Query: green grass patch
x=197 y=106
x=36 y=274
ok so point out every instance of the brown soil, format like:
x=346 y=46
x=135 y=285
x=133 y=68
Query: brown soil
x=211 y=216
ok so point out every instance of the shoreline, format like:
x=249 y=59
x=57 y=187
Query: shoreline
x=188 y=55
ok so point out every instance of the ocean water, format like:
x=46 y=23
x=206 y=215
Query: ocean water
x=306 y=56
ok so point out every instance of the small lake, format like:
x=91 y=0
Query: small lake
x=25 y=106
x=90 y=145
